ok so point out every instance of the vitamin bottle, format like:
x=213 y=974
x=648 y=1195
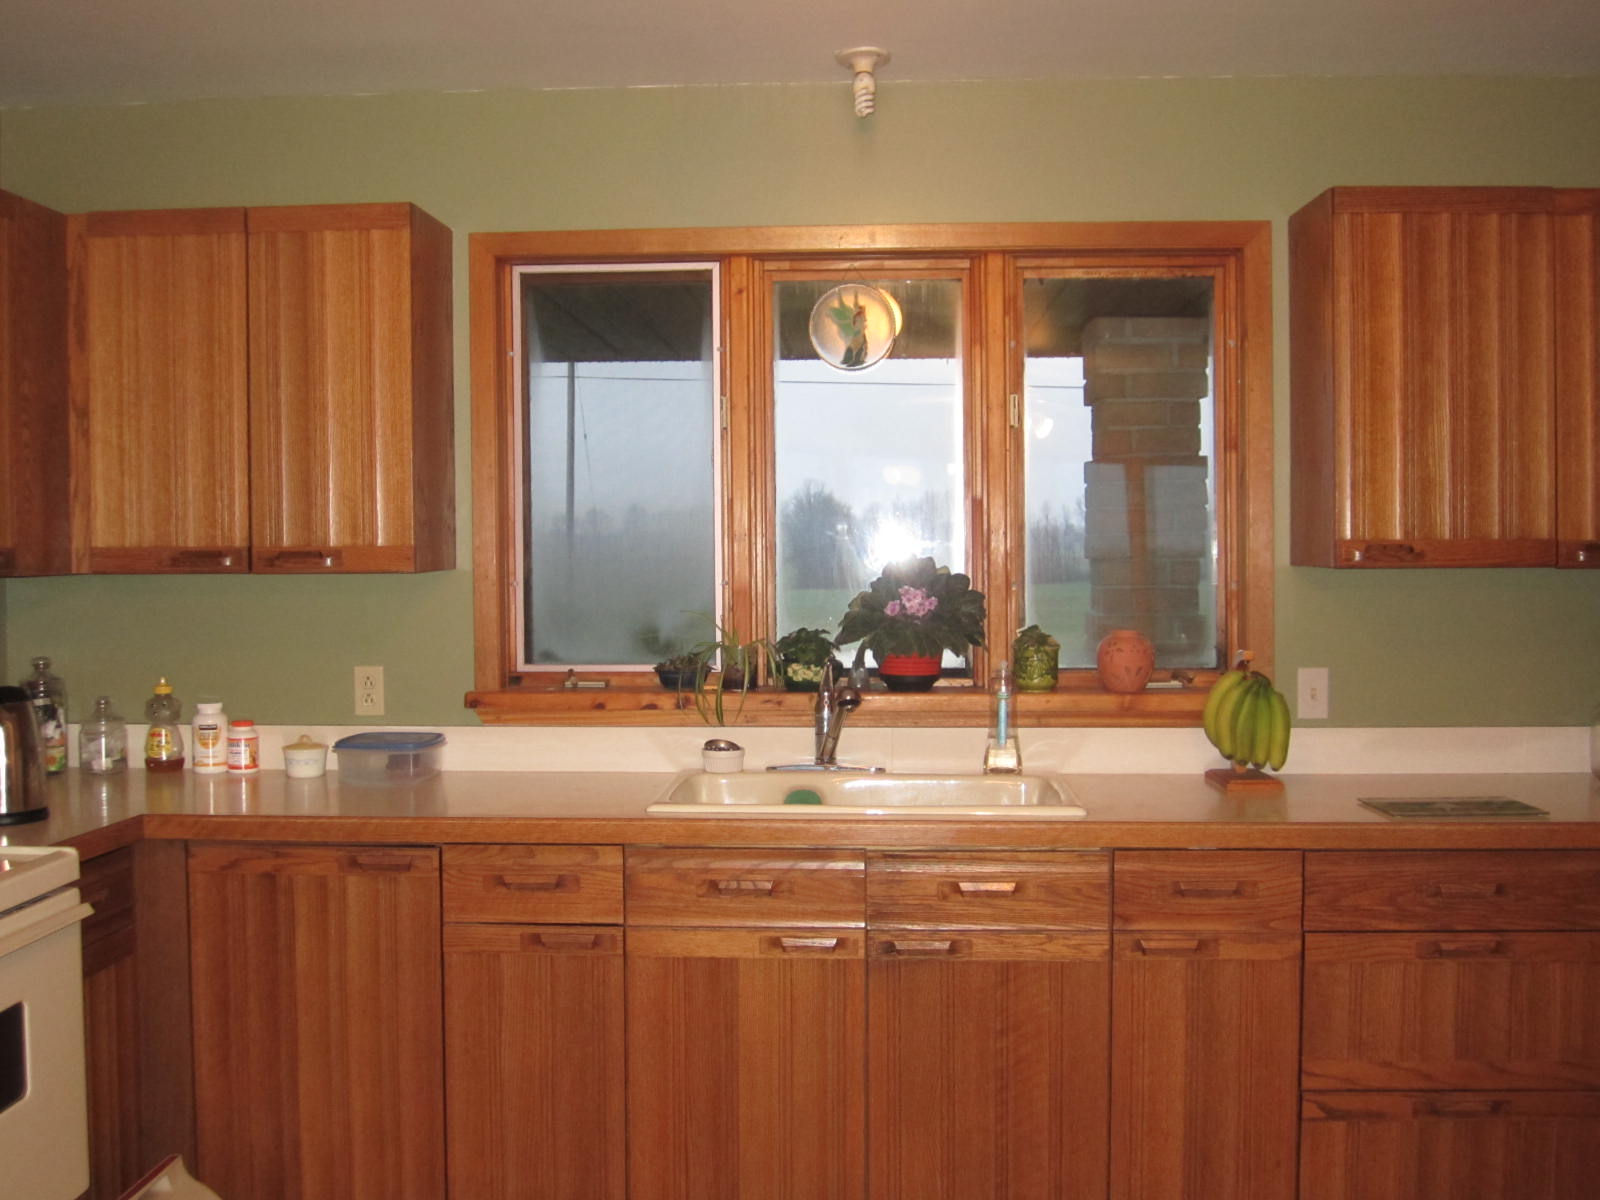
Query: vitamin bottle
x=244 y=747
x=210 y=738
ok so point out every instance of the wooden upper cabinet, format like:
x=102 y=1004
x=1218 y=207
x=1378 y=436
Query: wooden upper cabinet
x=1430 y=328
x=262 y=389
x=1578 y=378
x=33 y=389
x=159 y=400
x=351 y=410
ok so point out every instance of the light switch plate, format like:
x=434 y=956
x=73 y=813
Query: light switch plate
x=1312 y=699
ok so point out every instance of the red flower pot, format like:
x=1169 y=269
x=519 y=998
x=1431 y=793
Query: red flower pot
x=909 y=672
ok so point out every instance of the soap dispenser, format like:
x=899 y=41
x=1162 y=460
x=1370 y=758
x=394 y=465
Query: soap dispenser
x=1002 y=756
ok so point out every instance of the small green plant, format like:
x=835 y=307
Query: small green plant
x=804 y=653
x=1035 y=659
x=726 y=662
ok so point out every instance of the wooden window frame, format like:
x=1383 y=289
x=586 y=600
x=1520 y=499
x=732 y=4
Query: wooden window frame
x=1239 y=254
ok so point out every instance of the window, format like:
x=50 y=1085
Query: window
x=1079 y=416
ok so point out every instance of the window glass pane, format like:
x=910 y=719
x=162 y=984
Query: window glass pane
x=620 y=532
x=869 y=460
x=1121 y=530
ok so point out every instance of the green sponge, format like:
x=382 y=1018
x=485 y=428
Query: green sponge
x=802 y=796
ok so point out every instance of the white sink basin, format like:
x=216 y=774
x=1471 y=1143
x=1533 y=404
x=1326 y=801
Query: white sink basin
x=849 y=794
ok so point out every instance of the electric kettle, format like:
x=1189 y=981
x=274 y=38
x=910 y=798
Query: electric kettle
x=22 y=796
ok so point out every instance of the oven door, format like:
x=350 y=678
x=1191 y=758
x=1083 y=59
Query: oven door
x=44 y=1136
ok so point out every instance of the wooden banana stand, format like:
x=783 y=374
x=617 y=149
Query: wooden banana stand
x=1234 y=779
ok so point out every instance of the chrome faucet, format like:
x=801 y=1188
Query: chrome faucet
x=835 y=698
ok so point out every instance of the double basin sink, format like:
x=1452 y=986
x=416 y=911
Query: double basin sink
x=826 y=793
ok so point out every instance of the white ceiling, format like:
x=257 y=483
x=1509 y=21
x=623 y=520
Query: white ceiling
x=55 y=52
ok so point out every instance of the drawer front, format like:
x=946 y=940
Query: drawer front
x=986 y=946
x=1207 y=889
x=1449 y=1146
x=598 y=941
x=1453 y=889
x=1452 y=1010
x=538 y=884
x=777 y=943
x=989 y=891
x=734 y=888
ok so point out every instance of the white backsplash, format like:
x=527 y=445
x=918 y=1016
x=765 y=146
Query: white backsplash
x=1083 y=751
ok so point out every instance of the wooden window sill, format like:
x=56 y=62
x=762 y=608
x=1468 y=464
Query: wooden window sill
x=956 y=703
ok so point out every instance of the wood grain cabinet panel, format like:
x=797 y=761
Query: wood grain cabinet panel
x=999 y=890
x=1452 y=1010
x=318 y=1021
x=1219 y=890
x=1453 y=890
x=537 y=884
x=1450 y=1146
x=1427 y=348
x=35 y=533
x=1577 y=311
x=160 y=392
x=746 y=1076
x=351 y=411
x=987 y=1065
x=534 y=1053
x=262 y=389
x=722 y=888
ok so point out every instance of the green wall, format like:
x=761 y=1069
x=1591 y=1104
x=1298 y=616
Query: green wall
x=1405 y=648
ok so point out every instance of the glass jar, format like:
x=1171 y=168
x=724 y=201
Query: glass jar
x=103 y=740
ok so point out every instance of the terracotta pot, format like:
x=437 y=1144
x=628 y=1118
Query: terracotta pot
x=909 y=672
x=1125 y=660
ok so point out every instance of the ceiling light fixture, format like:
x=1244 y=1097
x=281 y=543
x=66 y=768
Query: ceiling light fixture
x=863 y=61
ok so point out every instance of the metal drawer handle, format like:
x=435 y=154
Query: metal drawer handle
x=563 y=941
x=984 y=887
x=740 y=887
x=1390 y=552
x=1475 y=948
x=788 y=943
x=1197 y=889
x=1589 y=552
x=1469 y=890
x=539 y=883
x=919 y=947
x=1170 y=947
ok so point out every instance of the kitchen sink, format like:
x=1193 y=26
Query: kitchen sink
x=857 y=794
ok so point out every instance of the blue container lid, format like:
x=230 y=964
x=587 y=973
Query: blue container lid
x=391 y=742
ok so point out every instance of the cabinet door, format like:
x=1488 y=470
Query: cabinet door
x=351 y=414
x=987 y=1065
x=1578 y=379
x=1204 y=1065
x=1450 y=1146
x=317 y=1021
x=1424 y=378
x=34 y=515
x=1452 y=1010
x=745 y=1064
x=159 y=392
x=534 y=1053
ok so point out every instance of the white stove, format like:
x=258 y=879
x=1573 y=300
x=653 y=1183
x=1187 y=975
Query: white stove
x=44 y=1135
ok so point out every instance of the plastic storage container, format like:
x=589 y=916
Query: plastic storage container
x=388 y=758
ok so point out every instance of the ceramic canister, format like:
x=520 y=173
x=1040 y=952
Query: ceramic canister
x=1125 y=660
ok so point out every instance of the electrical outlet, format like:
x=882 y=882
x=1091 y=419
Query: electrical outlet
x=1312 y=701
x=369 y=691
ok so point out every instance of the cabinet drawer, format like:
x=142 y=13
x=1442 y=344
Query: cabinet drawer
x=1207 y=889
x=986 y=946
x=1452 y=1010
x=595 y=940
x=989 y=891
x=746 y=887
x=781 y=943
x=1449 y=1145
x=1453 y=889
x=549 y=884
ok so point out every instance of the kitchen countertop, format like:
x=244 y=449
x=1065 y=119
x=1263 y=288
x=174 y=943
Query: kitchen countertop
x=1313 y=812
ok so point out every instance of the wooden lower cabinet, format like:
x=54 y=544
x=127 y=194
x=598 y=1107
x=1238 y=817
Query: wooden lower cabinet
x=1450 y=1145
x=987 y=1065
x=317 y=1021
x=745 y=1064
x=534 y=1054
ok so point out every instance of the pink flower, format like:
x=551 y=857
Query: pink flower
x=916 y=602
x=892 y=609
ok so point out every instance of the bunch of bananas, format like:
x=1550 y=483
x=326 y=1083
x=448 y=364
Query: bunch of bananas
x=1247 y=719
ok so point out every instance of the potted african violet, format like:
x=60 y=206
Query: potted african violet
x=803 y=653
x=908 y=617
